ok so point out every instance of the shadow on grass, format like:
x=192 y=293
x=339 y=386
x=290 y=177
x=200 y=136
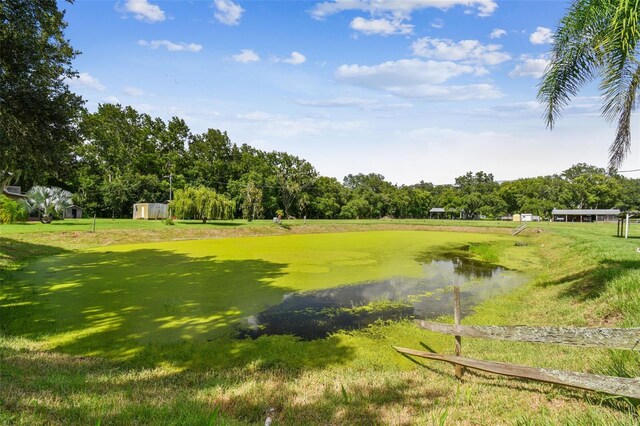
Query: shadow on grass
x=149 y=306
x=213 y=223
x=19 y=251
x=338 y=403
x=88 y=389
x=68 y=222
x=591 y=283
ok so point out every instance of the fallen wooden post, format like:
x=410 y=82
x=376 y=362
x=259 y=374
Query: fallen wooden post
x=610 y=338
x=593 y=382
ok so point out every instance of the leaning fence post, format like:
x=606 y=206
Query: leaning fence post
x=457 y=315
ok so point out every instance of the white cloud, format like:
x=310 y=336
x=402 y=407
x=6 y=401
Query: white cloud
x=133 y=91
x=144 y=11
x=256 y=116
x=398 y=7
x=145 y=108
x=542 y=35
x=414 y=78
x=365 y=104
x=530 y=67
x=526 y=106
x=228 y=12
x=280 y=125
x=410 y=71
x=437 y=23
x=381 y=26
x=112 y=99
x=246 y=56
x=497 y=33
x=171 y=46
x=464 y=50
x=296 y=58
x=84 y=79
x=448 y=93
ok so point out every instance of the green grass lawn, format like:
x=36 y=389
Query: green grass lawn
x=102 y=331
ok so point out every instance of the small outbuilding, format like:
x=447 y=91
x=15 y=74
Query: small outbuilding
x=437 y=213
x=529 y=217
x=585 y=215
x=150 y=211
x=73 y=212
x=14 y=193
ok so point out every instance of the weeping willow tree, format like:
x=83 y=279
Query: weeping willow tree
x=200 y=202
x=597 y=39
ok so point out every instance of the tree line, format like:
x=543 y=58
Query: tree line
x=128 y=157
x=115 y=157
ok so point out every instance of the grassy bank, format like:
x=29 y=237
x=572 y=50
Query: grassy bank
x=581 y=276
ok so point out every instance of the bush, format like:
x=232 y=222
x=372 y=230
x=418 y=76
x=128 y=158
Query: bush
x=12 y=211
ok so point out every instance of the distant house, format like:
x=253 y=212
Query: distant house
x=525 y=217
x=437 y=213
x=150 y=211
x=73 y=212
x=585 y=215
x=13 y=192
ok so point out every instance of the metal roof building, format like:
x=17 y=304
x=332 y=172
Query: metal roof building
x=437 y=213
x=585 y=215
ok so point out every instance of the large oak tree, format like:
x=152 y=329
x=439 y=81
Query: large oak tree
x=38 y=112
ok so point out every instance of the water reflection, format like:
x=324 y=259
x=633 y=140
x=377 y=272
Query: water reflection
x=313 y=315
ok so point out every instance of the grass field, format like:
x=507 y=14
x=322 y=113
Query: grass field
x=61 y=363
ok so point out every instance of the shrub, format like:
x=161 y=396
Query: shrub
x=12 y=211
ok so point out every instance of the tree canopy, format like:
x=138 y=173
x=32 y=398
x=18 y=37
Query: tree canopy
x=200 y=202
x=38 y=112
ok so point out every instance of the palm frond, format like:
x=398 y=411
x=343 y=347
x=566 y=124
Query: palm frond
x=576 y=56
x=622 y=142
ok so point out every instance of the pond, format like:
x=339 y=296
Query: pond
x=316 y=314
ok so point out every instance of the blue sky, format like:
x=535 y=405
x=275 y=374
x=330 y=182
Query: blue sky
x=412 y=89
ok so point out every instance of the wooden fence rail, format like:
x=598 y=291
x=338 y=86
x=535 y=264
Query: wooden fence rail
x=611 y=338
x=519 y=229
x=594 y=382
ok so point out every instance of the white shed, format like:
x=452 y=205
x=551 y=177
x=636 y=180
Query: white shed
x=150 y=211
x=73 y=212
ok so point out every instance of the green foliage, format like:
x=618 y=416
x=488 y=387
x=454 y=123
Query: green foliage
x=38 y=113
x=200 y=202
x=48 y=202
x=293 y=176
x=597 y=39
x=327 y=198
x=346 y=398
x=12 y=211
x=252 y=203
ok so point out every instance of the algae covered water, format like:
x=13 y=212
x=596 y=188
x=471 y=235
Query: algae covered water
x=316 y=314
